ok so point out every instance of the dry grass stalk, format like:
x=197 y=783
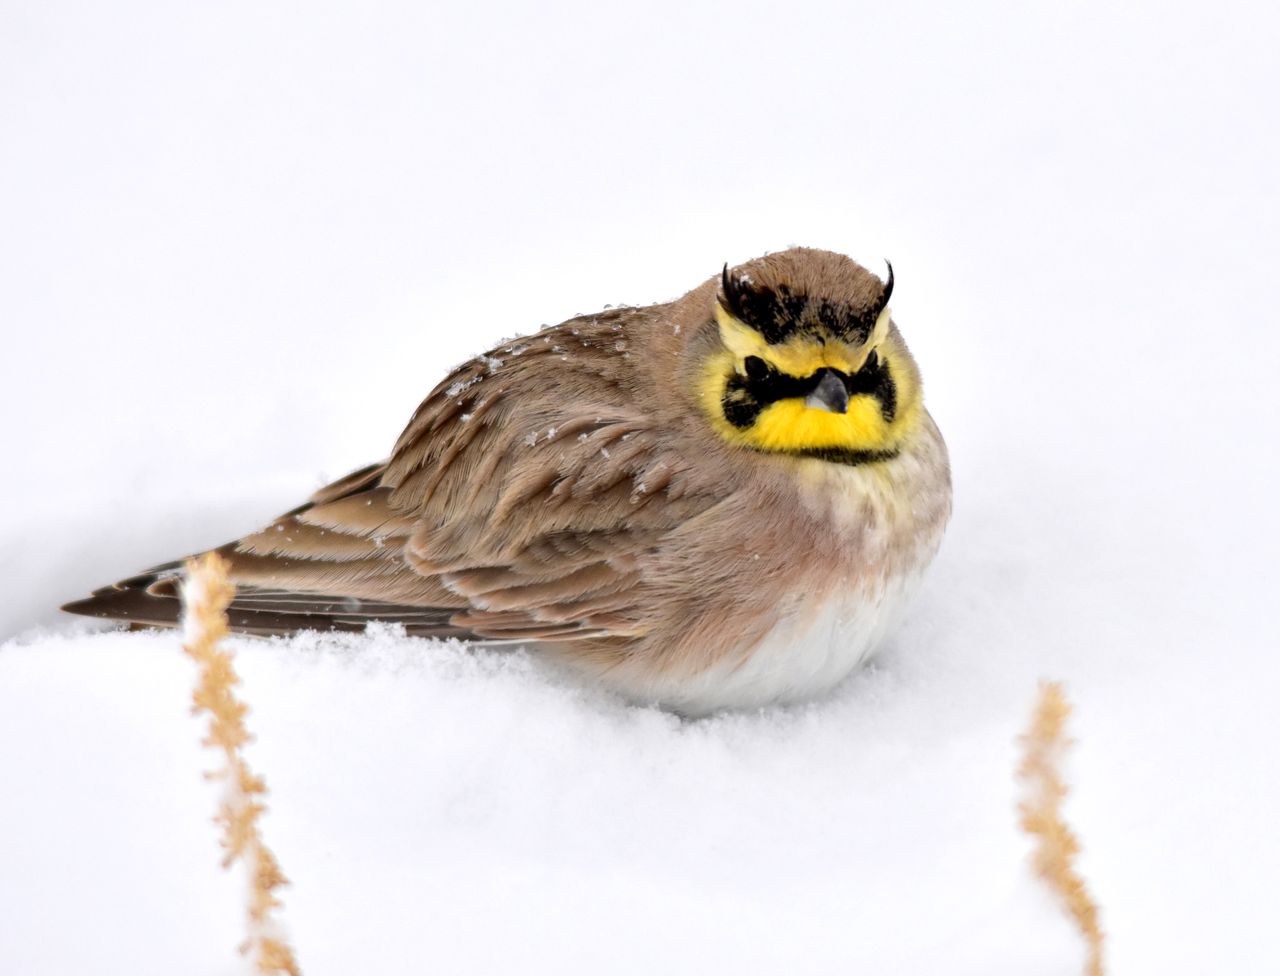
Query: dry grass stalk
x=206 y=594
x=1040 y=814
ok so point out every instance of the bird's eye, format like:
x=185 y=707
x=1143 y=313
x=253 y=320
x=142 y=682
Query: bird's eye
x=757 y=368
x=872 y=361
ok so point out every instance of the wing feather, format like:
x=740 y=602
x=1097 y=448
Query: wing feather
x=524 y=501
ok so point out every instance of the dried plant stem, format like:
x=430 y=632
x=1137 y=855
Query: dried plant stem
x=1040 y=814
x=206 y=594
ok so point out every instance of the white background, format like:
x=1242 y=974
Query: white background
x=238 y=244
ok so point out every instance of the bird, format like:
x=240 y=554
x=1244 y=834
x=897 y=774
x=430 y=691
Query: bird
x=720 y=502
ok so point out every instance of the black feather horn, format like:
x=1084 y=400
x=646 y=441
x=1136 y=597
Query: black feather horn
x=883 y=302
x=731 y=293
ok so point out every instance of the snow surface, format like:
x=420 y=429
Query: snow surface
x=239 y=242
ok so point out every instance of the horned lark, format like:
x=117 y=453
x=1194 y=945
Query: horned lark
x=723 y=501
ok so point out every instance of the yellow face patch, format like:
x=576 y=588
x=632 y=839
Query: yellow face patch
x=789 y=425
x=803 y=355
x=767 y=410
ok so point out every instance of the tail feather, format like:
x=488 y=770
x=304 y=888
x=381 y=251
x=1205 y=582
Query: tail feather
x=251 y=613
x=345 y=540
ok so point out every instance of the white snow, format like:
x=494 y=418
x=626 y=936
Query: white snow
x=238 y=243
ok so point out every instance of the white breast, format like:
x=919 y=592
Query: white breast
x=882 y=524
x=803 y=656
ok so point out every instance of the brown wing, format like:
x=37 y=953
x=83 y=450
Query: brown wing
x=541 y=483
x=521 y=503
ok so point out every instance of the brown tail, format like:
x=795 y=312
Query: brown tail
x=334 y=563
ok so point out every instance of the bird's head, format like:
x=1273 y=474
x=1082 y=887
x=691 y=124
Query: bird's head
x=808 y=361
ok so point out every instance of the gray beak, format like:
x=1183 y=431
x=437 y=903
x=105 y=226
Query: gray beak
x=829 y=394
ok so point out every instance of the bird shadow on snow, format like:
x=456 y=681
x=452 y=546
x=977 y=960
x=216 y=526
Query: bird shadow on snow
x=906 y=675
